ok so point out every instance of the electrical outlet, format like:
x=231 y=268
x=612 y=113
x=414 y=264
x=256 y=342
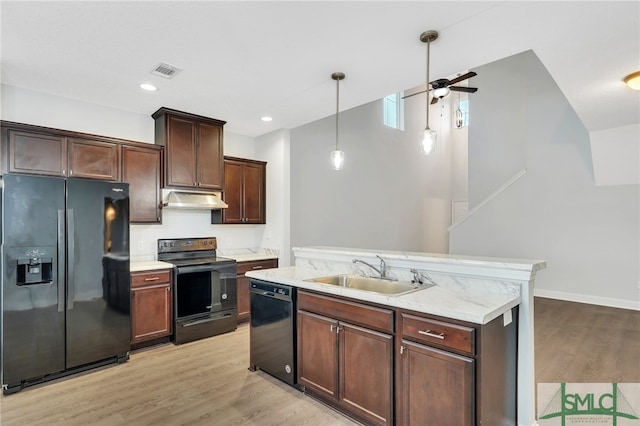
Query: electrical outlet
x=140 y=246
x=228 y=241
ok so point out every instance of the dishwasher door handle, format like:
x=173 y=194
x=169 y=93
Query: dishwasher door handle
x=268 y=293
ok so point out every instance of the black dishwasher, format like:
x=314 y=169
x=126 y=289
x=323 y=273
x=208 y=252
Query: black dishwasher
x=272 y=330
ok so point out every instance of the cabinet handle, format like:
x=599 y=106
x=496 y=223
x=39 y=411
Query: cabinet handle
x=168 y=288
x=152 y=279
x=337 y=328
x=257 y=267
x=430 y=334
x=402 y=350
x=70 y=172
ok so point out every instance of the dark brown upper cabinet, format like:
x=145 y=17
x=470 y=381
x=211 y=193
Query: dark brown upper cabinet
x=36 y=153
x=193 y=149
x=244 y=191
x=94 y=159
x=141 y=168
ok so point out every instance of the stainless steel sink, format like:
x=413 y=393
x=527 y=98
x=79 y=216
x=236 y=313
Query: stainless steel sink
x=375 y=285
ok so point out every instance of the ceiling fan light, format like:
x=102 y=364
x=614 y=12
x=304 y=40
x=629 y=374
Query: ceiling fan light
x=337 y=159
x=441 y=92
x=633 y=80
x=428 y=141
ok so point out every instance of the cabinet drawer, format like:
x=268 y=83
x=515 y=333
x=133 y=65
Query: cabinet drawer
x=443 y=334
x=256 y=265
x=150 y=278
x=343 y=310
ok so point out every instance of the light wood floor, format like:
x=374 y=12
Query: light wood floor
x=200 y=383
x=581 y=343
x=207 y=382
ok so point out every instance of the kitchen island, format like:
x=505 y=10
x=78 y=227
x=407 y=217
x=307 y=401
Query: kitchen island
x=476 y=291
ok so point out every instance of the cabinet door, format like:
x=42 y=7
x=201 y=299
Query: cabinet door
x=436 y=387
x=244 y=298
x=36 y=153
x=209 y=156
x=181 y=152
x=254 y=193
x=318 y=354
x=141 y=169
x=94 y=159
x=151 y=312
x=233 y=192
x=366 y=388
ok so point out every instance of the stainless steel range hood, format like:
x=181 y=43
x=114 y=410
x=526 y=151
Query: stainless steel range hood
x=175 y=199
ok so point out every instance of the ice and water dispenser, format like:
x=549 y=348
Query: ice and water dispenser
x=33 y=265
x=35 y=270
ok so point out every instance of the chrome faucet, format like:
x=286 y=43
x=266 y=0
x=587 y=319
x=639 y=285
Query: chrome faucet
x=417 y=276
x=383 y=268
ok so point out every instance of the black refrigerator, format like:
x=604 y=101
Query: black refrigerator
x=65 y=277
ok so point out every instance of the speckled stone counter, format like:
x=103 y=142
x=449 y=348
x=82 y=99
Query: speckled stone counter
x=151 y=265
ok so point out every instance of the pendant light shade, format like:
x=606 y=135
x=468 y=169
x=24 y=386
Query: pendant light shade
x=427 y=138
x=337 y=159
x=428 y=141
x=337 y=156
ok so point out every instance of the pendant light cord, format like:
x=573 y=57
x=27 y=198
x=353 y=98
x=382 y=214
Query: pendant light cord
x=428 y=43
x=337 y=108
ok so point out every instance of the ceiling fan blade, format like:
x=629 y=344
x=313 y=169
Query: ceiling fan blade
x=463 y=89
x=434 y=100
x=462 y=77
x=413 y=94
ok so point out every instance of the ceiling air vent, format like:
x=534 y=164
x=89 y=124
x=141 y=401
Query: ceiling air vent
x=165 y=70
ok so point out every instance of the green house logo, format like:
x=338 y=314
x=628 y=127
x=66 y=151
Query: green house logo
x=584 y=407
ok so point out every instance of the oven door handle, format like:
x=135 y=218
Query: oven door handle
x=208 y=319
x=198 y=268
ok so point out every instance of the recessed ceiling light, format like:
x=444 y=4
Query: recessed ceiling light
x=633 y=80
x=148 y=87
x=267 y=118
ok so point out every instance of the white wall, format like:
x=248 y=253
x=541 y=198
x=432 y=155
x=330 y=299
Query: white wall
x=616 y=155
x=274 y=149
x=388 y=196
x=588 y=235
x=26 y=106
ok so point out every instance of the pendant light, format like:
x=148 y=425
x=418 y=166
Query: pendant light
x=337 y=156
x=428 y=137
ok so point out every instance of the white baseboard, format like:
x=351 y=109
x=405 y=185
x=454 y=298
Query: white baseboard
x=592 y=300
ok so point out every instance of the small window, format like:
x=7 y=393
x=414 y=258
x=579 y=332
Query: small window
x=463 y=106
x=393 y=107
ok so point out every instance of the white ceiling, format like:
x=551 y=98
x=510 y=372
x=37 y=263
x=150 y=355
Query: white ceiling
x=242 y=60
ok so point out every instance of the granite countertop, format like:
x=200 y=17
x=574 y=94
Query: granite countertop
x=149 y=265
x=464 y=304
x=247 y=257
x=248 y=254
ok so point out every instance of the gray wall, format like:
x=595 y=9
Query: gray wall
x=588 y=235
x=388 y=196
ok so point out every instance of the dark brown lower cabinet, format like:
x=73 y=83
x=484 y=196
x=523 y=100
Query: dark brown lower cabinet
x=244 y=298
x=347 y=366
x=436 y=387
x=384 y=366
x=151 y=306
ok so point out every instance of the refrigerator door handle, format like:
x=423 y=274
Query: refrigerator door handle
x=71 y=231
x=60 y=261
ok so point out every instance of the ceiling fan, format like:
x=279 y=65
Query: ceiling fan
x=443 y=86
